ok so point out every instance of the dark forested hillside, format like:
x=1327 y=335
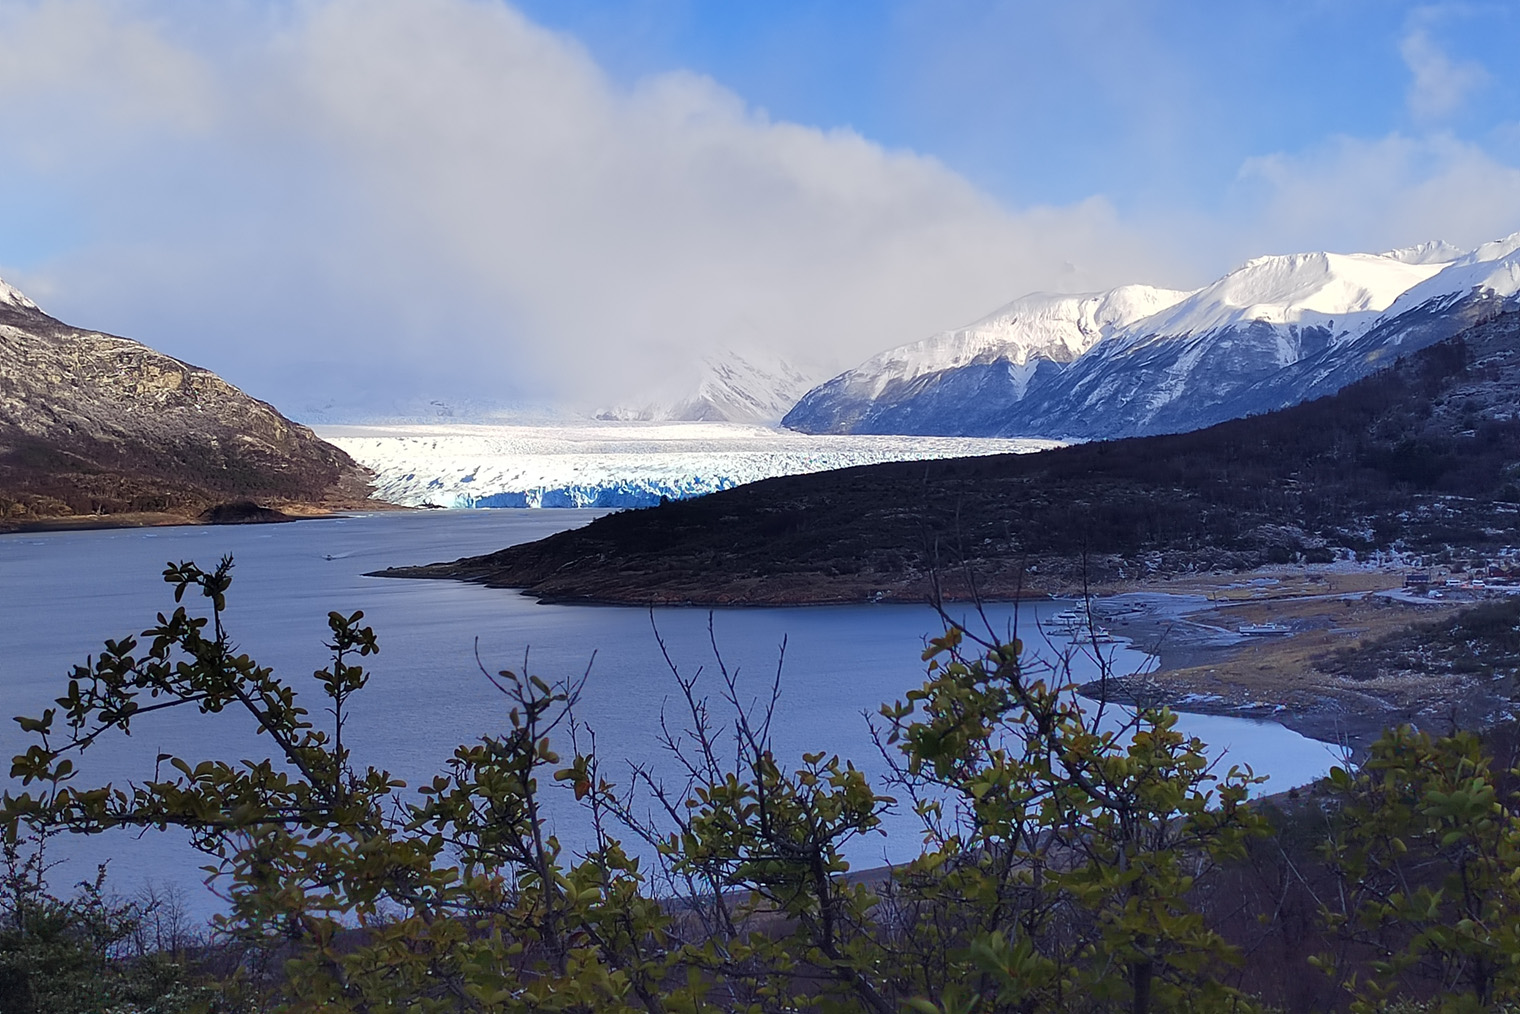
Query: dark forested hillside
x=1423 y=455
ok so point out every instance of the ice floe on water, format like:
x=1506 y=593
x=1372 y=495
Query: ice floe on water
x=597 y=464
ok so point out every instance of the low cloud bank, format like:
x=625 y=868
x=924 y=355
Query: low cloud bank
x=345 y=202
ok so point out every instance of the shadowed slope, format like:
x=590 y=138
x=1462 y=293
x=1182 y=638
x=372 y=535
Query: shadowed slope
x=95 y=424
x=1423 y=454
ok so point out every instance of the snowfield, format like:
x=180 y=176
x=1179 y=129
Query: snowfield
x=613 y=464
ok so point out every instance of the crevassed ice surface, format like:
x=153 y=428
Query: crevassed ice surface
x=614 y=464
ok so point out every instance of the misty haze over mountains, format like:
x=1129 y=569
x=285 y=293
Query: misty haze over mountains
x=1133 y=360
x=1129 y=361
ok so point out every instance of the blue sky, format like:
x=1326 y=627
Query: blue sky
x=369 y=201
x=1142 y=102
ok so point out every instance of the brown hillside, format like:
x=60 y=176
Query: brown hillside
x=95 y=424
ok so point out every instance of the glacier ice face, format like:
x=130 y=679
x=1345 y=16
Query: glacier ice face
x=611 y=464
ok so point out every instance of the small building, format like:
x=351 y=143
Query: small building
x=1417 y=581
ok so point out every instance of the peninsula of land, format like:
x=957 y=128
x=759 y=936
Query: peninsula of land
x=1418 y=465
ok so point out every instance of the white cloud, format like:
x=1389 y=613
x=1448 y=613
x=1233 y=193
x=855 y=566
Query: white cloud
x=440 y=191
x=76 y=75
x=1441 y=85
x=351 y=199
x=1360 y=194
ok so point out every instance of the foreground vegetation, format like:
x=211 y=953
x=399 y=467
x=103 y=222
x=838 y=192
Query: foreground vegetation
x=1067 y=865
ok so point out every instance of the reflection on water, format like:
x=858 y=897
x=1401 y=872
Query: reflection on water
x=66 y=592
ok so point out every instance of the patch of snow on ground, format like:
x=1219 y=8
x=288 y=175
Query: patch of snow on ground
x=613 y=464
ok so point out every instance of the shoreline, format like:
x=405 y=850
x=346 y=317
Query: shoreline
x=1299 y=678
x=1189 y=624
x=163 y=519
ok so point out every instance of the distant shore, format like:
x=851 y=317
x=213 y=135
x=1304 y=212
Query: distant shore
x=162 y=519
x=1190 y=624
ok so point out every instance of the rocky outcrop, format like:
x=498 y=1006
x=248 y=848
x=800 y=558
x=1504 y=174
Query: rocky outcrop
x=92 y=423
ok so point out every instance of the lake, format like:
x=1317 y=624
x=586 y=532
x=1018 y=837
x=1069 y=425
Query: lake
x=63 y=593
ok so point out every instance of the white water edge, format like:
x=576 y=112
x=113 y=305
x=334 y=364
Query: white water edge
x=614 y=464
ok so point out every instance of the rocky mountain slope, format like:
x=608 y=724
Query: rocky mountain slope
x=977 y=372
x=1422 y=457
x=1272 y=333
x=91 y=423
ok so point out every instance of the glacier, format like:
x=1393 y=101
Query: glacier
x=613 y=464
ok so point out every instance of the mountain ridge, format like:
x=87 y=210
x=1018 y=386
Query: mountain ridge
x=1270 y=333
x=1016 y=339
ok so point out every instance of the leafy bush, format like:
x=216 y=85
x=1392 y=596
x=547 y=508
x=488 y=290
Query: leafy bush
x=85 y=954
x=1068 y=865
x=1426 y=846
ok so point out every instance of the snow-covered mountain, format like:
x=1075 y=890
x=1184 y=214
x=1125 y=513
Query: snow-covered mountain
x=1271 y=333
x=13 y=297
x=984 y=367
x=1493 y=267
x=1468 y=290
x=730 y=388
x=1341 y=293
x=1172 y=371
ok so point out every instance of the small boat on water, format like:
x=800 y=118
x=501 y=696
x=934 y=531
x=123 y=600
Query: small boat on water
x=1068 y=618
x=1097 y=635
x=1264 y=629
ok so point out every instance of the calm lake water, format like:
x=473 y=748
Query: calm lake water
x=64 y=593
